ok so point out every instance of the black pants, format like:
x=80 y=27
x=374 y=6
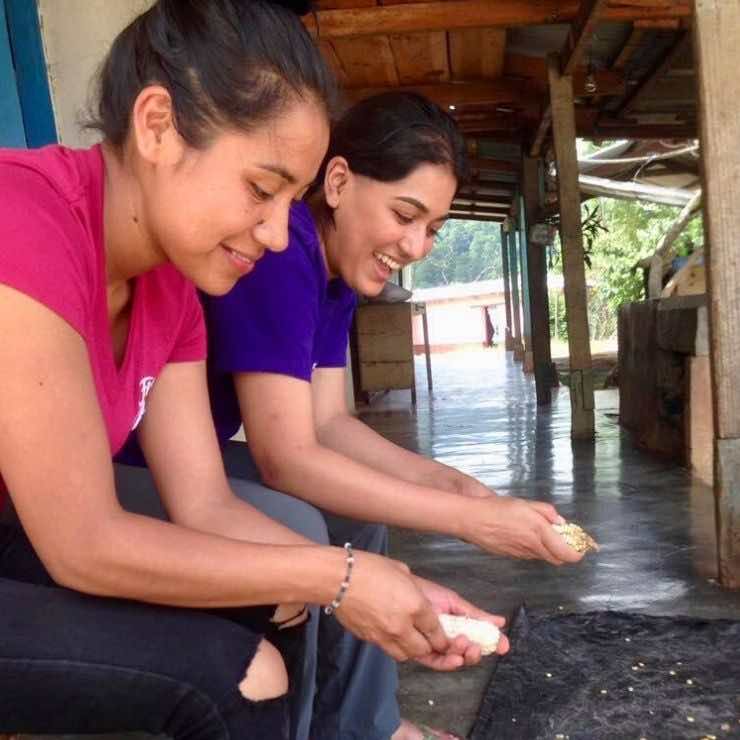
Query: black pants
x=71 y=663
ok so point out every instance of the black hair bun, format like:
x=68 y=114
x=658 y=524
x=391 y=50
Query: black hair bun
x=299 y=7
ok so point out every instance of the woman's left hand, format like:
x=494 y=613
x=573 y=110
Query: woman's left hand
x=461 y=651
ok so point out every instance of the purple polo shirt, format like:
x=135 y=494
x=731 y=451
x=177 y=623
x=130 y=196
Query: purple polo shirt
x=285 y=317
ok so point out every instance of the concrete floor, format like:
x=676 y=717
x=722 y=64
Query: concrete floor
x=654 y=522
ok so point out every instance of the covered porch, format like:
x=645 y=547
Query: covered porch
x=653 y=520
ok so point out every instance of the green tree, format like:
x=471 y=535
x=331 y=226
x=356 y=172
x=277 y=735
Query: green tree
x=464 y=251
x=634 y=230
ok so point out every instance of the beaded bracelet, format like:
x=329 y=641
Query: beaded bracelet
x=345 y=583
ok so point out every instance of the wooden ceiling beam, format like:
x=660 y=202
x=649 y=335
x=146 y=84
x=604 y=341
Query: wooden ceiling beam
x=476 y=194
x=476 y=217
x=533 y=70
x=628 y=50
x=579 y=38
x=461 y=204
x=645 y=131
x=492 y=127
x=581 y=32
x=453 y=14
x=479 y=210
x=542 y=130
x=524 y=81
x=492 y=165
x=495 y=92
x=493 y=187
x=680 y=48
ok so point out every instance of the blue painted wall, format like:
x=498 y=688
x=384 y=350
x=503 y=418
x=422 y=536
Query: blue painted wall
x=26 y=115
x=30 y=72
x=12 y=130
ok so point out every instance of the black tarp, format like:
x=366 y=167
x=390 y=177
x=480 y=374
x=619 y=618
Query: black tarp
x=614 y=676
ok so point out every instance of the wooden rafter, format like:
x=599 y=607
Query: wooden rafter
x=476 y=217
x=483 y=208
x=579 y=37
x=462 y=203
x=679 y=49
x=581 y=32
x=493 y=189
x=438 y=16
x=470 y=93
x=478 y=191
x=493 y=165
x=628 y=49
x=626 y=130
x=533 y=70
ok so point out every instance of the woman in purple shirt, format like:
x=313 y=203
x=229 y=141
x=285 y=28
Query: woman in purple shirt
x=278 y=345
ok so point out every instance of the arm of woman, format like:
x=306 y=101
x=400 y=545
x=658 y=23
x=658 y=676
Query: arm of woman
x=55 y=459
x=280 y=421
x=179 y=442
x=56 y=462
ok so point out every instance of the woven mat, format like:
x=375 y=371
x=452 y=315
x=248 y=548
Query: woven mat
x=614 y=676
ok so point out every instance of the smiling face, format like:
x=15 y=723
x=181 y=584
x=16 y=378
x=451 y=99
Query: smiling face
x=380 y=227
x=214 y=212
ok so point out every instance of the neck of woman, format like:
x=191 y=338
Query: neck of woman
x=129 y=249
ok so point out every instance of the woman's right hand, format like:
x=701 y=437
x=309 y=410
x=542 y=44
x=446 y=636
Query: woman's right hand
x=384 y=605
x=517 y=528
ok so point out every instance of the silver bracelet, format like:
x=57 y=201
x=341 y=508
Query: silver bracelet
x=345 y=583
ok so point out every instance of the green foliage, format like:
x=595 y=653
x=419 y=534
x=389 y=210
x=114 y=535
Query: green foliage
x=558 y=326
x=464 y=252
x=631 y=231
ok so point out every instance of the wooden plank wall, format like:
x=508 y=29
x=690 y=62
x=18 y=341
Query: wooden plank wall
x=718 y=57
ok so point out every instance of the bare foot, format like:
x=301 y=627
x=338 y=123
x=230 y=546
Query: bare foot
x=410 y=731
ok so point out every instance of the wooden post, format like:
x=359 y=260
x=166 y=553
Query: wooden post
x=718 y=56
x=571 y=236
x=521 y=235
x=516 y=309
x=538 y=297
x=427 y=351
x=509 y=338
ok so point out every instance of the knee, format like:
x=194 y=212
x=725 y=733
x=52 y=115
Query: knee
x=267 y=677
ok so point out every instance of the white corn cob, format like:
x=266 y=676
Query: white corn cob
x=483 y=633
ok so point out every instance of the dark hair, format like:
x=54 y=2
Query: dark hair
x=387 y=136
x=226 y=63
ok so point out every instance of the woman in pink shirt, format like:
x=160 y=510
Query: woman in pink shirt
x=214 y=117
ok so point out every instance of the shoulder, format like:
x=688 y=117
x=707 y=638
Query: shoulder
x=55 y=171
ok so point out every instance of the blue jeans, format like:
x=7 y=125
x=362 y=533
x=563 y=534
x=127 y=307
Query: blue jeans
x=349 y=686
x=73 y=663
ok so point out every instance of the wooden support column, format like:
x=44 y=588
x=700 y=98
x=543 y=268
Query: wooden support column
x=521 y=235
x=718 y=58
x=571 y=237
x=537 y=273
x=516 y=306
x=509 y=336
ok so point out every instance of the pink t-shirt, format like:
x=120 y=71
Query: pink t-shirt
x=52 y=249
